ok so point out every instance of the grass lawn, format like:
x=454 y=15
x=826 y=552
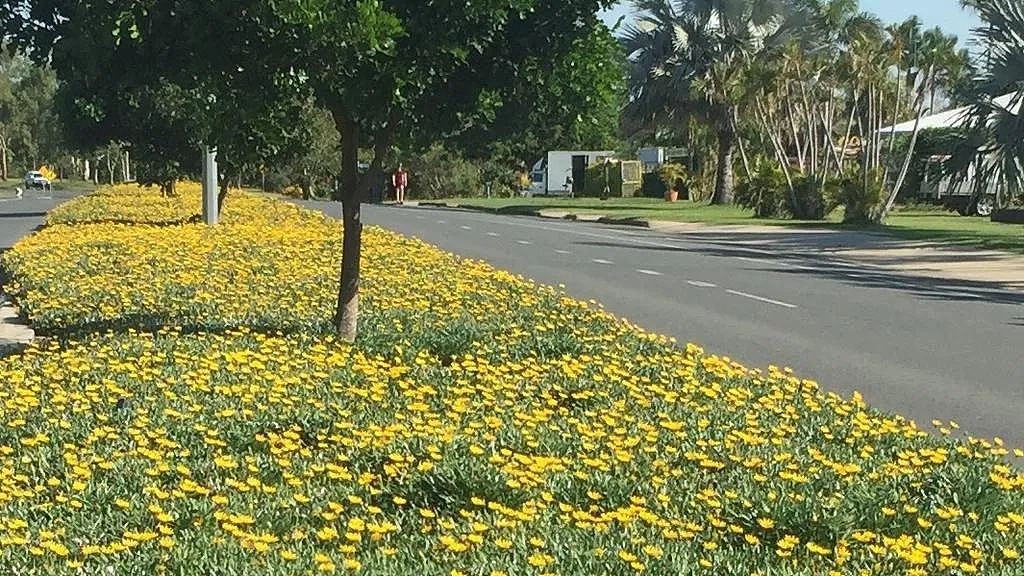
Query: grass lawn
x=924 y=224
x=192 y=413
x=957 y=230
x=7 y=187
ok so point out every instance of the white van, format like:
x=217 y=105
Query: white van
x=564 y=172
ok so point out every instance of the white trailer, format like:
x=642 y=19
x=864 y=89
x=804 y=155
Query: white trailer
x=564 y=172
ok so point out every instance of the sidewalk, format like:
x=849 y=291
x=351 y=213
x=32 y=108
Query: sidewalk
x=877 y=250
x=13 y=332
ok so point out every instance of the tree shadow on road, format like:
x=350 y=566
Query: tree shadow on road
x=864 y=277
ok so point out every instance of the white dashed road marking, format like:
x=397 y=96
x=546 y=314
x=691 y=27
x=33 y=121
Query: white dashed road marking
x=524 y=242
x=563 y=252
x=442 y=221
x=650 y=272
x=699 y=284
x=465 y=227
x=493 y=234
x=602 y=261
x=761 y=299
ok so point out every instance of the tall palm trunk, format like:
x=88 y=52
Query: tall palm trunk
x=724 y=174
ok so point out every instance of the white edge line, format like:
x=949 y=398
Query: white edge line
x=569 y=229
x=761 y=299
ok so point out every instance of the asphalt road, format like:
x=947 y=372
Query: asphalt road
x=19 y=217
x=921 y=348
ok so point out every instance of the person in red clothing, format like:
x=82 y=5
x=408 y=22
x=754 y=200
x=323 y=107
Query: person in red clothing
x=400 y=180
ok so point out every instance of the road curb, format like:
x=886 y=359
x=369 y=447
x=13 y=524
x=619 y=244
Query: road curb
x=15 y=334
x=542 y=213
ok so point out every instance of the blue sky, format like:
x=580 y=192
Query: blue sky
x=947 y=14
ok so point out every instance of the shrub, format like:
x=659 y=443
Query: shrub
x=652 y=186
x=674 y=177
x=765 y=191
x=442 y=173
x=810 y=194
x=861 y=203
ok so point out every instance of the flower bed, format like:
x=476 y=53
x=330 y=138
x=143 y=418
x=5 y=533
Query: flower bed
x=482 y=425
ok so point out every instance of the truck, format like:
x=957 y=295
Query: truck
x=564 y=172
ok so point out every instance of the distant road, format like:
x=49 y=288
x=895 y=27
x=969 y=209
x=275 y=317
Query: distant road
x=20 y=216
x=922 y=348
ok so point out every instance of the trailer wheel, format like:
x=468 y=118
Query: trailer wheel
x=986 y=205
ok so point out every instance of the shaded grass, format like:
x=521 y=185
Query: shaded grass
x=957 y=230
x=916 y=223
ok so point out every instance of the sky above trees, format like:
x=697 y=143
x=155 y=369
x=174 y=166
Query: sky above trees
x=946 y=14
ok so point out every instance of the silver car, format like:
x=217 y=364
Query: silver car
x=35 y=179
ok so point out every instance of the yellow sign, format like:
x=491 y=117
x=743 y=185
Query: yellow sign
x=48 y=173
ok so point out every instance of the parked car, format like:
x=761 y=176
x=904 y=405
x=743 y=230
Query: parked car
x=36 y=179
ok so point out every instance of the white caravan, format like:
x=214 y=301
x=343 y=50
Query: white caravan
x=564 y=172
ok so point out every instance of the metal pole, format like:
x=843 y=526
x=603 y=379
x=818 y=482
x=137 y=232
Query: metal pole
x=210 y=188
x=607 y=189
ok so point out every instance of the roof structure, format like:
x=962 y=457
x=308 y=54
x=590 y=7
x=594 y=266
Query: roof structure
x=955 y=118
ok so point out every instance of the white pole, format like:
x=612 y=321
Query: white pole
x=210 y=188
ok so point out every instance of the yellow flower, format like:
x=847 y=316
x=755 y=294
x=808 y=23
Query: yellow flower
x=539 y=560
x=653 y=551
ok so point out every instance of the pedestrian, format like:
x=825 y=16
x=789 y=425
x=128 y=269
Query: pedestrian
x=400 y=181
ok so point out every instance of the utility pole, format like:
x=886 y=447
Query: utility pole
x=210 y=187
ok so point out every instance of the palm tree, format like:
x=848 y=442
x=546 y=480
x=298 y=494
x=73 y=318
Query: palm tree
x=687 y=61
x=993 y=141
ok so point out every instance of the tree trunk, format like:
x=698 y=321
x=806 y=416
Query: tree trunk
x=891 y=201
x=739 y=141
x=849 y=129
x=347 y=311
x=724 y=173
x=780 y=152
x=222 y=195
x=3 y=159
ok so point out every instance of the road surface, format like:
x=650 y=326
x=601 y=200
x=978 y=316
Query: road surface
x=926 y=349
x=20 y=216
